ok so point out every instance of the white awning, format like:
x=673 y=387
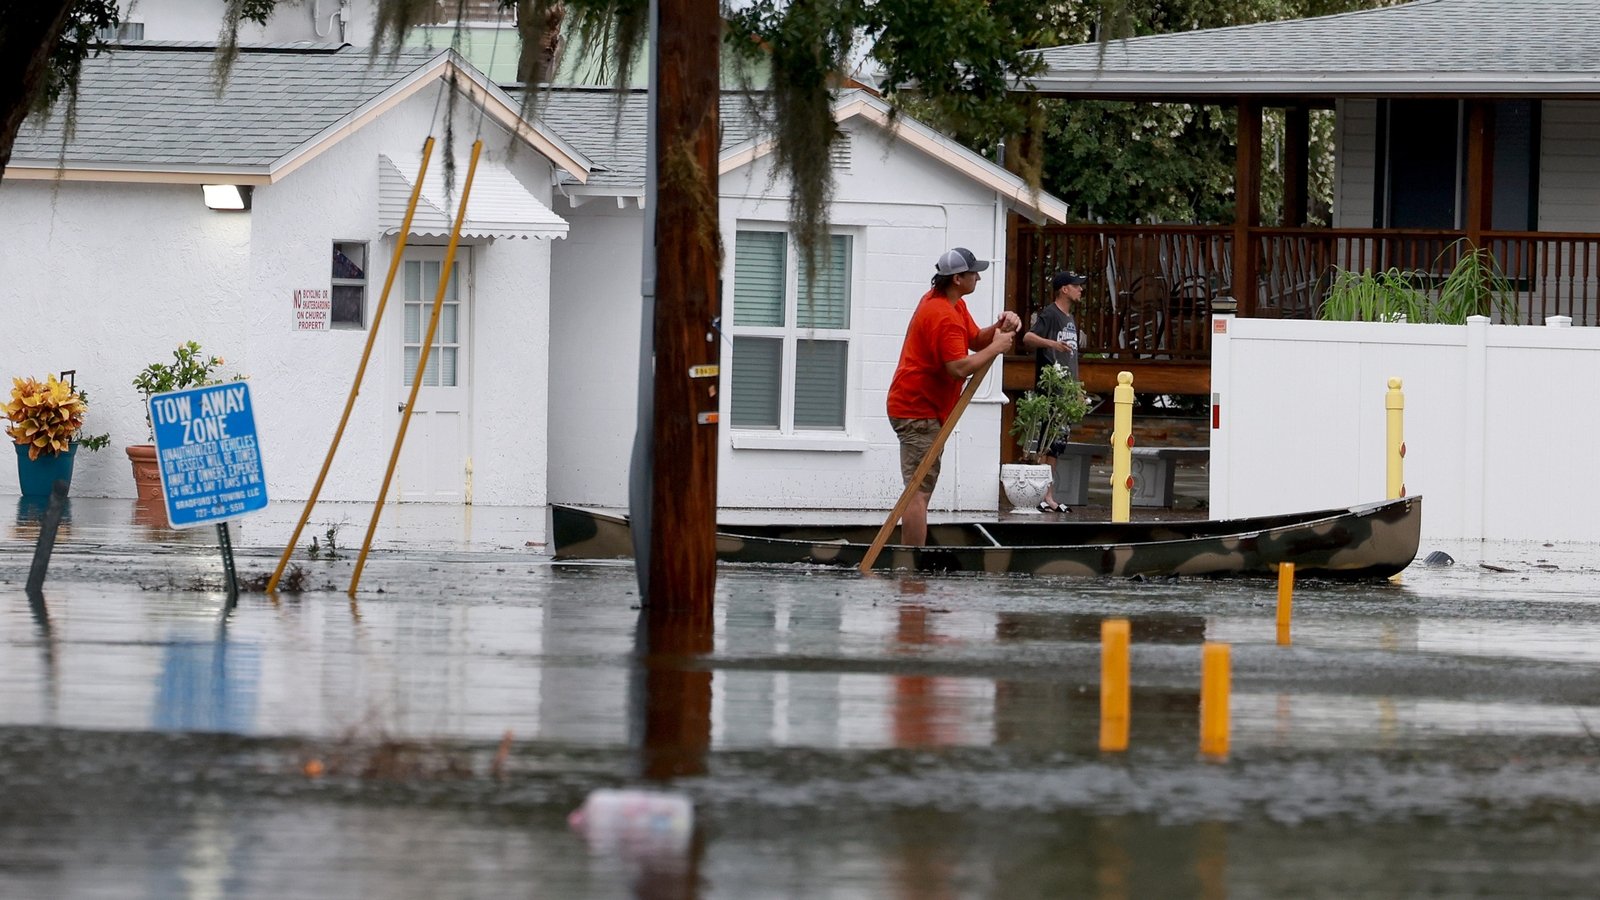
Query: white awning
x=500 y=207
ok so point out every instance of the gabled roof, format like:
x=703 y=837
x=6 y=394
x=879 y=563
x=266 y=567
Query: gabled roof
x=590 y=118
x=1536 y=48
x=151 y=112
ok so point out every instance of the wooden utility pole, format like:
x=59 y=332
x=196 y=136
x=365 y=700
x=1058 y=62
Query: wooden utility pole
x=683 y=493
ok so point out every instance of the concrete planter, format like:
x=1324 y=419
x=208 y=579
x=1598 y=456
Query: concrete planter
x=1025 y=485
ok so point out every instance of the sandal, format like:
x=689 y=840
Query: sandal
x=1046 y=507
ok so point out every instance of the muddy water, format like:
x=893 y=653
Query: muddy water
x=839 y=737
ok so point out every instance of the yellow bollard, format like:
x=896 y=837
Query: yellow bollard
x=1394 y=404
x=1214 y=688
x=1114 y=701
x=1122 y=449
x=1285 y=601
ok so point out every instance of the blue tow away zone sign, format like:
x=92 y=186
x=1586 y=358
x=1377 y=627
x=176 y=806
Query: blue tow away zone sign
x=209 y=457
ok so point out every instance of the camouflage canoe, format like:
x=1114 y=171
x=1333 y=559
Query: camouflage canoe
x=1374 y=540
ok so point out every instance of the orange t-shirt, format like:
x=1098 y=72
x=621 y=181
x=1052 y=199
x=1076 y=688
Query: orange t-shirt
x=940 y=332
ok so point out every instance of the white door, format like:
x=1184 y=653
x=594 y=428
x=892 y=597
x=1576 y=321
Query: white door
x=433 y=462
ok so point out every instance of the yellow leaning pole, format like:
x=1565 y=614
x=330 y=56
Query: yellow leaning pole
x=361 y=370
x=422 y=365
x=1394 y=404
x=1122 y=449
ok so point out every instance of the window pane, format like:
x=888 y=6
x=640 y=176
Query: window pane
x=430 y=277
x=430 y=375
x=447 y=323
x=447 y=366
x=413 y=324
x=349 y=259
x=819 y=381
x=829 y=307
x=411 y=364
x=758 y=267
x=349 y=304
x=757 y=380
x=413 y=281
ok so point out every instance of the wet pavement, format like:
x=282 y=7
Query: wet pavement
x=839 y=736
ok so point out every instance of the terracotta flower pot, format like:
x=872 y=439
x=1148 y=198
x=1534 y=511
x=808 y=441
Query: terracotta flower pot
x=146 y=471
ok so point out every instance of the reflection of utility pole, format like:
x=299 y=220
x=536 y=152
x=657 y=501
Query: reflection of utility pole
x=679 y=567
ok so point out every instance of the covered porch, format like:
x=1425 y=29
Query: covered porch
x=1439 y=145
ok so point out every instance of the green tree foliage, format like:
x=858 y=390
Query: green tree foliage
x=952 y=62
x=1140 y=162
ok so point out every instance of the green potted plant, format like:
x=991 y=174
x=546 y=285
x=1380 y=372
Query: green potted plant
x=1475 y=286
x=1042 y=418
x=190 y=367
x=45 y=419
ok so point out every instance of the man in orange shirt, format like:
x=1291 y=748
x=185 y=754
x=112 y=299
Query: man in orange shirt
x=934 y=364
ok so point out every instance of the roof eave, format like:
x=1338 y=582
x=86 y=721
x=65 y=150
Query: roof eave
x=1303 y=84
x=51 y=170
x=860 y=104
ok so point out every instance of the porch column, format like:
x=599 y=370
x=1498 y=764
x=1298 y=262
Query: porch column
x=1296 y=165
x=1247 y=203
x=1480 y=171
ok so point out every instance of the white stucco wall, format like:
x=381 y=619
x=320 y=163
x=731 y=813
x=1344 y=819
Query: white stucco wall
x=594 y=352
x=140 y=269
x=904 y=209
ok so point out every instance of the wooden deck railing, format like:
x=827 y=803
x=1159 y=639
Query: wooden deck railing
x=1151 y=286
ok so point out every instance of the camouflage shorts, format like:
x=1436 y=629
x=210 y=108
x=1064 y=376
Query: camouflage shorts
x=916 y=438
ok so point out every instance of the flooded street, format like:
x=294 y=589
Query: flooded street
x=838 y=736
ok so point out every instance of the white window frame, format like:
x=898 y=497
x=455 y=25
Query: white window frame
x=786 y=436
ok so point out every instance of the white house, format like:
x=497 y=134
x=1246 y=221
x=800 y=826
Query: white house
x=530 y=394
x=113 y=258
x=802 y=391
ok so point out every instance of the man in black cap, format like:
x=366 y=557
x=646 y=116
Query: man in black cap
x=1054 y=340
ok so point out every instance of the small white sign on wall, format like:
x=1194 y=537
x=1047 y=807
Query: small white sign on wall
x=313 y=309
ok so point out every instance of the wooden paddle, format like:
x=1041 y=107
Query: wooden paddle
x=927 y=463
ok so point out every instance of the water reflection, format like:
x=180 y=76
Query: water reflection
x=1148 y=628
x=152 y=514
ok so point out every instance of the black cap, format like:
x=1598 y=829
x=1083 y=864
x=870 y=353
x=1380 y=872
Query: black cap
x=1063 y=278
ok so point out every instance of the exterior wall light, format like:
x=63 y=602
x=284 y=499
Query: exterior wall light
x=227 y=196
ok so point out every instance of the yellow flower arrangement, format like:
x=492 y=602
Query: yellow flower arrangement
x=45 y=416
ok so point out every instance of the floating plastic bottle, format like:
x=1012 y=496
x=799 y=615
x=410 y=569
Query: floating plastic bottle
x=635 y=823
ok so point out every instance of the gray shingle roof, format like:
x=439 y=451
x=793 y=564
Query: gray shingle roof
x=156 y=106
x=1460 y=47
x=587 y=118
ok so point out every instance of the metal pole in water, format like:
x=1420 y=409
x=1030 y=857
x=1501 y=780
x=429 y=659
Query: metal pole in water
x=47 y=537
x=225 y=542
x=1285 y=601
x=1215 y=681
x=1114 y=701
x=1122 y=449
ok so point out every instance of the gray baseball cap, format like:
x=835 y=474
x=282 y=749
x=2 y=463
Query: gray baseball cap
x=959 y=259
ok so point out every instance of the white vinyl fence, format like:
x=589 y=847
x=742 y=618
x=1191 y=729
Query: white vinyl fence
x=1501 y=425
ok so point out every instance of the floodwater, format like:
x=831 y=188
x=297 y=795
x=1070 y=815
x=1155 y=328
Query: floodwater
x=838 y=736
